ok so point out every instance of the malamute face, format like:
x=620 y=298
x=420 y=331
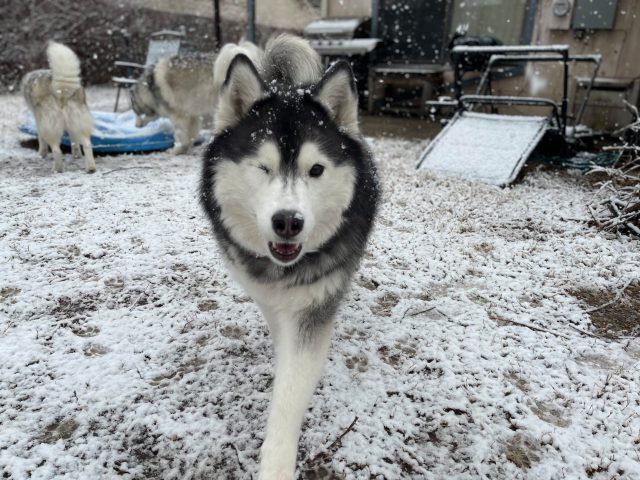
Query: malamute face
x=283 y=204
x=285 y=173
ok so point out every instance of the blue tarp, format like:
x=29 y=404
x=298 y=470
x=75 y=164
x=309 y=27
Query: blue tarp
x=117 y=133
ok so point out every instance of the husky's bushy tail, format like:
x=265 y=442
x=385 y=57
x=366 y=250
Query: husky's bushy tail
x=65 y=69
x=286 y=58
x=291 y=60
x=244 y=76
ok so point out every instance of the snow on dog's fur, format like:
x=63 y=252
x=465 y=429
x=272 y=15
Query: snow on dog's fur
x=291 y=191
x=58 y=103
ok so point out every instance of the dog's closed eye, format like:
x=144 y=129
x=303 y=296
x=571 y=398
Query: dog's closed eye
x=264 y=168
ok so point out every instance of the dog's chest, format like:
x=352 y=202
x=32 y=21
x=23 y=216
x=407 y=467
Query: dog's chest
x=289 y=301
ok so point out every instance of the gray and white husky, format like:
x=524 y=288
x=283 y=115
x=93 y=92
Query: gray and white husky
x=291 y=190
x=58 y=103
x=183 y=88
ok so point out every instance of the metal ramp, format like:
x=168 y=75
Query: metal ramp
x=484 y=147
x=493 y=148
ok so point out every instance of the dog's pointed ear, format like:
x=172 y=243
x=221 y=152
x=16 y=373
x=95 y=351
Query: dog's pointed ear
x=337 y=92
x=242 y=88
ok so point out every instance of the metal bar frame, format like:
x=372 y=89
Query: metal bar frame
x=594 y=58
x=499 y=49
x=597 y=59
x=530 y=101
x=505 y=50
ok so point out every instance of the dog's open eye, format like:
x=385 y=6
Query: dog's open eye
x=264 y=168
x=316 y=170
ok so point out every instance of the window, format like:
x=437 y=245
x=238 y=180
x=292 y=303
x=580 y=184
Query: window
x=510 y=21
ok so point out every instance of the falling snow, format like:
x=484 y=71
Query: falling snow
x=127 y=352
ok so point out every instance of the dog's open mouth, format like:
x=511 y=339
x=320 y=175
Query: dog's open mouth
x=285 y=252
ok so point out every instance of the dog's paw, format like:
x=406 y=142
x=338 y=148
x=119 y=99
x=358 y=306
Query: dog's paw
x=90 y=168
x=178 y=149
x=58 y=167
x=275 y=474
x=277 y=461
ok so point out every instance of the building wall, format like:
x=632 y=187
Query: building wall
x=281 y=14
x=618 y=48
x=346 y=8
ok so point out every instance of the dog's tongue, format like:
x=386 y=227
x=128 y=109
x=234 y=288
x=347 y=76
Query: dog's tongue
x=285 y=248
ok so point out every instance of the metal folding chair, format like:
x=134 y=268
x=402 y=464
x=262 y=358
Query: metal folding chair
x=161 y=44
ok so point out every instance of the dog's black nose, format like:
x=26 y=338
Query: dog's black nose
x=287 y=223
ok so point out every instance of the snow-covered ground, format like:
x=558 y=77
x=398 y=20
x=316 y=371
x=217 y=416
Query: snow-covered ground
x=127 y=352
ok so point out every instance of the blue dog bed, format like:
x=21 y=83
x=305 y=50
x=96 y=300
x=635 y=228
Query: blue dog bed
x=117 y=133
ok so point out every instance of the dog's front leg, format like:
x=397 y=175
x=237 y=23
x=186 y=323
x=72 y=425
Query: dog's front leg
x=43 y=147
x=58 y=164
x=75 y=149
x=181 y=128
x=89 y=161
x=299 y=360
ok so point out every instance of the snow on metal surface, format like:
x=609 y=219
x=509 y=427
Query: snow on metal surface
x=510 y=48
x=484 y=147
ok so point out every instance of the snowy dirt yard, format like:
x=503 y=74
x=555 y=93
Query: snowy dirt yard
x=464 y=350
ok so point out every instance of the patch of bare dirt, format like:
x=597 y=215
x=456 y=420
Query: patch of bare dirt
x=359 y=362
x=550 y=413
x=189 y=366
x=613 y=314
x=368 y=283
x=67 y=308
x=7 y=294
x=520 y=383
x=58 y=430
x=397 y=355
x=384 y=304
x=522 y=451
x=233 y=331
x=207 y=305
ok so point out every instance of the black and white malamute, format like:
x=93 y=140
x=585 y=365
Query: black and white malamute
x=291 y=190
x=58 y=102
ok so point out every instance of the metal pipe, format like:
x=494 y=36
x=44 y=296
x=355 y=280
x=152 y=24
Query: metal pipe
x=375 y=5
x=505 y=100
x=217 y=35
x=375 y=26
x=565 y=91
x=511 y=48
x=597 y=59
x=512 y=58
x=251 y=20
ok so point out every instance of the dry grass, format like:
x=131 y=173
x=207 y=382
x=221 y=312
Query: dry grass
x=614 y=314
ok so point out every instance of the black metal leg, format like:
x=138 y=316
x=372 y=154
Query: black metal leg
x=115 y=109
